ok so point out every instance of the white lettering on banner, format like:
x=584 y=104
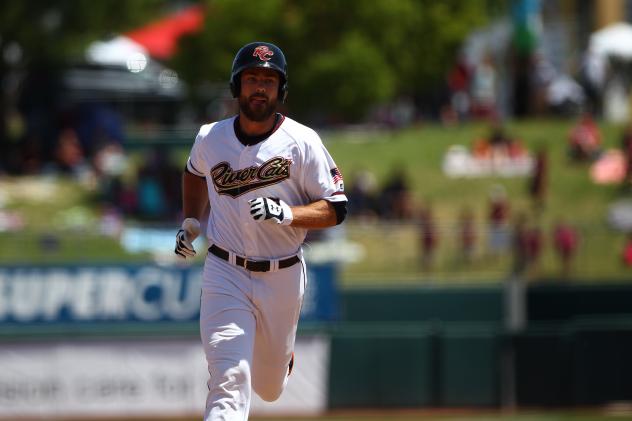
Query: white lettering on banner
x=177 y=308
x=113 y=292
x=26 y=296
x=85 y=294
x=59 y=292
x=144 y=309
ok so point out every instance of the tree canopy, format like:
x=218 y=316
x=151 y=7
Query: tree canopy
x=344 y=56
x=60 y=30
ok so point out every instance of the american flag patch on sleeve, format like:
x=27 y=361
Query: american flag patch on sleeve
x=336 y=175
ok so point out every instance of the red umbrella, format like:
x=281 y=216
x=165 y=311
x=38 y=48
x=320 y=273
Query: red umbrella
x=160 y=37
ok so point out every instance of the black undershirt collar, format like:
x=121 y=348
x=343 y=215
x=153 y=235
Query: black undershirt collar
x=248 y=140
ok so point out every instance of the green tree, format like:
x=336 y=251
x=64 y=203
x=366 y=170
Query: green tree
x=345 y=56
x=60 y=30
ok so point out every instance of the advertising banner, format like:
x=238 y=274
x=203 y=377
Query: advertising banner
x=138 y=378
x=143 y=293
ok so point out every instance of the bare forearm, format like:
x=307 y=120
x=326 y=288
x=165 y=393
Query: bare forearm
x=194 y=196
x=320 y=214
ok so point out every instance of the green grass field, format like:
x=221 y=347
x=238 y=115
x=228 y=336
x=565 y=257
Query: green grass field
x=571 y=195
x=391 y=251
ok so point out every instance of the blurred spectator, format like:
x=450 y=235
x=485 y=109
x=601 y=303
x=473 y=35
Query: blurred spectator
x=396 y=197
x=538 y=180
x=363 y=195
x=110 y=160
x=467 y=235
x=565 y=241
x=584 y=142
x=459 y=79
x=98 y=125
x=429 y=237
x=626 y=146
x=527 y=246
x=484 y=88
x=534 y=246
x=498 y=146
x=122 y=194
x=158 y=187
x=627 y=252
x=24 y=157
x=69 y=157
x=498 y=216
x=520 y=245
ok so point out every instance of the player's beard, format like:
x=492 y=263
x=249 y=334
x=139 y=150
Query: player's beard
x=257 y=113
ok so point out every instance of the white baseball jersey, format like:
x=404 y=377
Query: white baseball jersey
x=292 y=165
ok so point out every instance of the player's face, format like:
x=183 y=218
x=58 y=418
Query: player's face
x=259 y=92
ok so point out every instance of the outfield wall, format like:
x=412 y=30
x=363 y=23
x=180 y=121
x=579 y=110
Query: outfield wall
x=123 y=341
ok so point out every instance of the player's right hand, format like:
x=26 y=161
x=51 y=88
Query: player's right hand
x=184 y=247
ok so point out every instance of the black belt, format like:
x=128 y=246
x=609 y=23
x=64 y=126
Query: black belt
x=252 y=265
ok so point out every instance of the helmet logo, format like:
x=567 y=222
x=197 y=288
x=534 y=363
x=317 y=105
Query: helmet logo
x=263 y=52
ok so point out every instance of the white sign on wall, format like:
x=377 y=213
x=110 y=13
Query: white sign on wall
x=138 y=378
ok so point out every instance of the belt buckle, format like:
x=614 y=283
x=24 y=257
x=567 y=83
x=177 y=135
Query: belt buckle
x=245 y=264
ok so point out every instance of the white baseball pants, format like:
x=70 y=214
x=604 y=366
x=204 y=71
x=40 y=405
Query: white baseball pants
x=248 y=324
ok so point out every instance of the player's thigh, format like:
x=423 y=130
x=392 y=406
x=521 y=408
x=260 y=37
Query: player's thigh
x=227 y=329
x=278 y=304
x=227 y=321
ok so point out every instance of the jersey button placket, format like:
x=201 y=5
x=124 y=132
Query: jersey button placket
x=247 y=159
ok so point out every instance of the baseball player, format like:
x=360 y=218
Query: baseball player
x=267 y=179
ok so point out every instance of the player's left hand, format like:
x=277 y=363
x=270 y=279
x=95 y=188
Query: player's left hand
x=271 y=209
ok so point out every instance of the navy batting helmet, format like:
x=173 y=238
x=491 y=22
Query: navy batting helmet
x=259 y=54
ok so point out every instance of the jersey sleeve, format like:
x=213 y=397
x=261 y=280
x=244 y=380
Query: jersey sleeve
x=323 y=179
x=196 y=164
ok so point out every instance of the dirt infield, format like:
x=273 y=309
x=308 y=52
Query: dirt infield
x=465 y=415
x=611 y=413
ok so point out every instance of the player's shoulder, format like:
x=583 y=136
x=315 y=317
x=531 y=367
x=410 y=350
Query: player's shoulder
x=207 y=129
x=300 y=132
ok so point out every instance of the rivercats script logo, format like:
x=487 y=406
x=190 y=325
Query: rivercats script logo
x=234 y=183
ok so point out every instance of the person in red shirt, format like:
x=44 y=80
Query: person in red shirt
x=565 y=241
x=538 y=180
x=584 y=141
x=429 y=237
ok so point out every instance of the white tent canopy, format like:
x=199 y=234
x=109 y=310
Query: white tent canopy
x=613 y=40
x=116 y=51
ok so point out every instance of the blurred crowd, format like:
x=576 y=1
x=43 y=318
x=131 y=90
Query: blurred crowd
x=501 y=232
x=503 y=229
x=86 y=143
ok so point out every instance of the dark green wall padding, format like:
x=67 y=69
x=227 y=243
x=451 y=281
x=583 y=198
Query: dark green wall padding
x=413 y=365
x=446 y=347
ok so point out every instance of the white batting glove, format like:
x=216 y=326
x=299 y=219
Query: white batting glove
x=265 y=209
x=184 y=238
